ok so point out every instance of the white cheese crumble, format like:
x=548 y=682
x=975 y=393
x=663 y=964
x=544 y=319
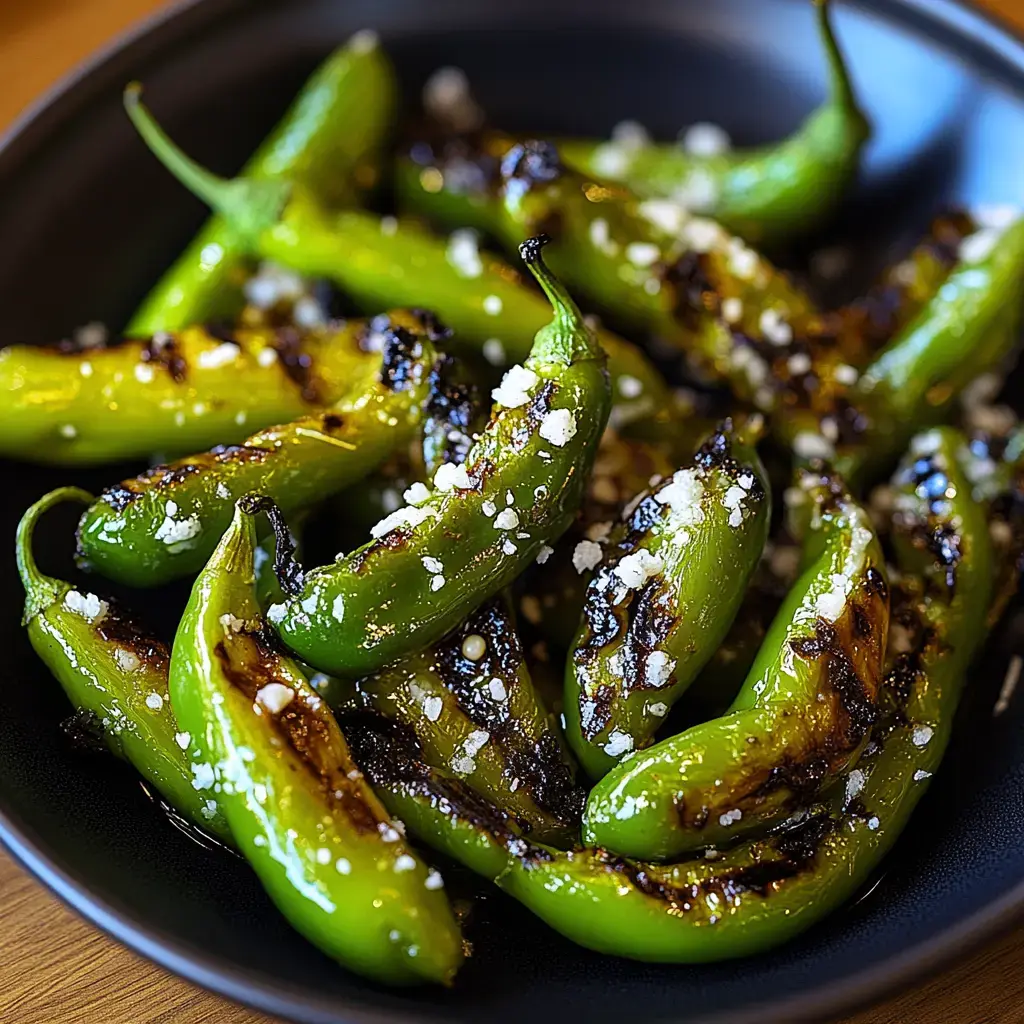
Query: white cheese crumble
x=636 y=569
x=432 y=708
x=226 y=352
x=432 y=564
x=854 y=784
x=506 y=519
x=544 y=554
x=410 y=516
x=183 y=739
x=436 y=583
x=434 y=880
x=497 y=690
x=830 y=605
x=89 y=606
x=586 y=555
x=154 y=701
x=730 y=817
x=922 y=735
x=558 y=427
x=659 y=669
x=450 y=476
x=275 y=697
x=405 y=863
x=515 y=387
x=618 y=743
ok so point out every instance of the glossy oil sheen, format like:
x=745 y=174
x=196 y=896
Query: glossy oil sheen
x=88 y=220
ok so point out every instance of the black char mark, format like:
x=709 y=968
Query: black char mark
x=163 y=349
x=297 y=363
x=401 y=351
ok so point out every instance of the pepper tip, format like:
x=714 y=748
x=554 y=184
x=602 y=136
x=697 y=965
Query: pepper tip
x=530 y=250
x=132 y=94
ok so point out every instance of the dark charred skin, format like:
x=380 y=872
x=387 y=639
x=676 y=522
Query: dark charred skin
x=298 y=364
x=162 y=349
x=117 y=627
x=401 y=351
x=454 y=416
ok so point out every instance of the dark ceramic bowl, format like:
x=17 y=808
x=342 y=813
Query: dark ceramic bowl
x=88 y=220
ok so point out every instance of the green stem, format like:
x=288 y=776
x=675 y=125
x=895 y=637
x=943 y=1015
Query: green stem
x=250 y=206
x=40 y=590
x=567 y=339
x=841 y=87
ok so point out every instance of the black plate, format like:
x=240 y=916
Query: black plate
x=88 y=220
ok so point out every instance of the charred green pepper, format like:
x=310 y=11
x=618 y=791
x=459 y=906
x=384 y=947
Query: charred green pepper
x=299 y=810
x=381 y=262
x=431 y=563
x=114 y=673
x=767 y=195
x=164 y=524
x=327 y=140
x=801 y=716
x=667 y=587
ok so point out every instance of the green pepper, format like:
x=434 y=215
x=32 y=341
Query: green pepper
x=381 y=262
x=163 y=524
x=172 y=393
x=472 y=705
x=968 y=328
x=667 y=588
x=763 y=892
x=802 y=714
x=431 y=563
x=300 y=812
x=767 y=195
x=114 y=673
x=326 y=140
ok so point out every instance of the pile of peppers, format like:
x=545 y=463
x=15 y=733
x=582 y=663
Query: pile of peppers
x=672 y=666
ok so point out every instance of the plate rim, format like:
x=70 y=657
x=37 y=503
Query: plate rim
x=991 y=36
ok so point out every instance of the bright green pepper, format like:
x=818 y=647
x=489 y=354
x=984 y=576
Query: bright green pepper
x=299 y=810
x=431 y=563
x=114 y=672
x=381 y=262
x=173 y=393
x=801 y=716
x=326 y=140
x=471 y=703
x=767 y=195
x=163 y=524
x=760 y=893
x=667 y=588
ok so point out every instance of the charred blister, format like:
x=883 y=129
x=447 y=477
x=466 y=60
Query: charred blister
x=288 y=343
x=402 y=358
x=164 y=350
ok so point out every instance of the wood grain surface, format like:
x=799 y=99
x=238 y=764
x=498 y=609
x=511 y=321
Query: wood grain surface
x=55 y=968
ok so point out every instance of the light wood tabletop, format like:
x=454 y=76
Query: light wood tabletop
x=55 y=968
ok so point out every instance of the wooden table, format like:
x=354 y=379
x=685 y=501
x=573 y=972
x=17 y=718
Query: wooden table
x=55 y=968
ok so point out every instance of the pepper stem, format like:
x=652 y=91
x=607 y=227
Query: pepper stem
x=250 y=206
x=841 y=87
x=287 y=569
x=40 y=590
x=568 y=338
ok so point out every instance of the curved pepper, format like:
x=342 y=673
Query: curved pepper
x=326 y=140
x=767 y=195
x=431 y=563
x=381 y=262
x=472 y=706
x=114 y=672
x=968 y=328
x=321 y=843
x=665 y=593
x=163 y=524
x=171 y=393
x=801 y=716
x=760 y=893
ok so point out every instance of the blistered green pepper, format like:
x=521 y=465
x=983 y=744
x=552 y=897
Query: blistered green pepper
x=114 y=672
x=173 y=393
x=432 y=562
x=327 y=140
x=801 y=716
x=667 y=587
x=472 y=705
x=299 y=810
x=164 y=524
x=767 y=195
x=381 y=262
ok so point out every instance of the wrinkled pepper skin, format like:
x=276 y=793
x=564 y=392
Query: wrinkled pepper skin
x=171 y=393
x=478 y=714
x=768 y=195
x=328 y=140
x=164 y=524
x=431 y=563
x=114 y=673
x=649 y=626
x=764 y=892
x=968 y=328
x=300 y=812
x=379 y=262
x=801 y=716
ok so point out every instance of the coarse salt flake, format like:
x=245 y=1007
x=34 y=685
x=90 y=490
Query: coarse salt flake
x=515 y=387
x=637 y=568
x=275 y=697
x=558 y=427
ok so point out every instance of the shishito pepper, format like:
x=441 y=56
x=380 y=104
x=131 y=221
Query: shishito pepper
x=328 y=140
x=767 y=195
x=114 y=672
x=472 y=705
x=667 y=588
x=431 y=563
x=164 y=524
x=802 y=714
x=761 y=893
x=299 y=810
x=381 y=262
x=171 y=393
